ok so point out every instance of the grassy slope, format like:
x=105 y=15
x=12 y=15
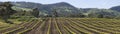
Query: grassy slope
x=5 y=25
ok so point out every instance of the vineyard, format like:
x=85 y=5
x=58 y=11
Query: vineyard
x=65 y=26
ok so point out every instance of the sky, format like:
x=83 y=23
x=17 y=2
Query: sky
x=78 y=3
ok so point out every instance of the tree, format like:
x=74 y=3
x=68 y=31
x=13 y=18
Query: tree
x=6 y=11
x=100 y=16
x=54 y=12
x=35 y=12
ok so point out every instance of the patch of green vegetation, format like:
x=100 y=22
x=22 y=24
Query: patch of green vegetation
x=19 y=8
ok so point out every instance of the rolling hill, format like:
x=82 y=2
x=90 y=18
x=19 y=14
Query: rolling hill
x=65 y=9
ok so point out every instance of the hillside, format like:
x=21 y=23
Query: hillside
x=65 y=9
x=116 y=8
x=48 y=8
